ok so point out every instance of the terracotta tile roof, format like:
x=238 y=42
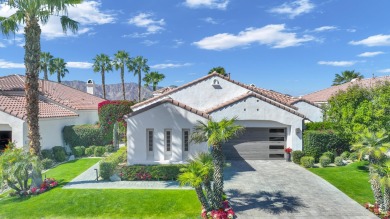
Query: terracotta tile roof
x=173 y=102
x=322 y=96
x=60 y=93
x=253 y=94
x=162 y=90
x=297 y=100
x=277 y=97
x=14 y=104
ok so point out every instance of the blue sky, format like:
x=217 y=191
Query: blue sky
x=291 y=46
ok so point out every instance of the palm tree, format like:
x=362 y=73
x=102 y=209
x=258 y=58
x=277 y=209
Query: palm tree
x=102 y=64
x=205 y=160
x=192 y=176
x=215 y=134
x=138 y=65
x=44 y=64
x=220 y=70
x=153 y=78
x=58 y=65
x=120 y=61
x=346 y=76
x=375 y=146
x=30 y=13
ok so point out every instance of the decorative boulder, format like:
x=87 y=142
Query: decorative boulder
x=115 y=178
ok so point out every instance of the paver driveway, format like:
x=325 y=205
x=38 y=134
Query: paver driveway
x=279 y=189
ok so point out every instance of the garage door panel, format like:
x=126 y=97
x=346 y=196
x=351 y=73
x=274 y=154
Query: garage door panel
x=257 y=144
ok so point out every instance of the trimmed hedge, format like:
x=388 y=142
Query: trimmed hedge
x=107 y=165
x=86 y=135
x=307 y=161
x=297 y=155
x=99 y=151
x=47 y=163
x=89 y=151
x=338 y=161
x=325 y=161
x=59 y=153
x=78 y=151
x=47 y=154
x=345 y=155
x=315 y=143
x=151 y=172
x=319 y=126
x=330 y=155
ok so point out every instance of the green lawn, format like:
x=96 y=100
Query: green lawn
x=100 y=203
x=351 y=179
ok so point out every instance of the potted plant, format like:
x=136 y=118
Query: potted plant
x=288 y=154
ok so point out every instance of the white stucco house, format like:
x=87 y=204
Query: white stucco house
x=159 y=129
x=59 y=106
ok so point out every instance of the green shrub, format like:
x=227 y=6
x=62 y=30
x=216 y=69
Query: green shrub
x=89 y=151
x=353 y=156
x=78 y=151
x=330 y=155
x=83 y=135
x=324 y=161
x=110 y=148
x=297 y=155
x=108 y=164
x=338 y=161
x=151 y=172
x=307 y=161
x=315 y=143
x=59 y=153
x=319 y=125
x=47 y=153
x=99 y=151
x=345 y=155
x=47 y=163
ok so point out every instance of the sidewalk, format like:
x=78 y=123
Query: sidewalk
x=87 y=180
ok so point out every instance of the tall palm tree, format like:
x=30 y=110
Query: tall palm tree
x=192 y=175
x=346 y=76
x=30 y=13
x=219 y=70
x=44 y=64
x=138 y=65
x=153 y=78
x=102 y=64
x=215 y=134
x=58 y=66
x=375 y=146
x=121 y=60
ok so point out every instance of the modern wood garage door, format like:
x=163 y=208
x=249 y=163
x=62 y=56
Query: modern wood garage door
x=257 y=144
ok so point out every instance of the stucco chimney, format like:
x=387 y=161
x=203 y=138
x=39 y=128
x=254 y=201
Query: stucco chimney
x=90 y=87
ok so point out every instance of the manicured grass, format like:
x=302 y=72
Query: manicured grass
x=100 y=203
x=351 y=179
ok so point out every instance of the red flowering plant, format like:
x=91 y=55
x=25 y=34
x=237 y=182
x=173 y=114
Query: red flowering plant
x=223 y=213
x=288 y=150
x=46 y=185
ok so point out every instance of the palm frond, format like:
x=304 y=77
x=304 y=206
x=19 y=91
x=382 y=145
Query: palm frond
x=69 y=24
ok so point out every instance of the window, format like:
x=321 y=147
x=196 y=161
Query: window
x=186 y=142
x=276 y=131
x=149 y=136
x=276 y=147
x=276 y=138
x=168 y=139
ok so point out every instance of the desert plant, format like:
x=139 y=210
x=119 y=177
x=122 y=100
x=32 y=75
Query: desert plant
x=297 y=155
x=330 y=155
x=345 y=155
x=339 y=161
x=47 y=163
x=59 y=153
x=324 y=161
x=307 y=161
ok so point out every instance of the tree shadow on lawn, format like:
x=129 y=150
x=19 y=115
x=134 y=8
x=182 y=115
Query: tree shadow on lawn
x=274 y=203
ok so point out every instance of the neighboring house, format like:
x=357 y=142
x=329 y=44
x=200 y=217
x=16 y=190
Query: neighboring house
x=59 y=106
x=159 y=129
x=321 y=97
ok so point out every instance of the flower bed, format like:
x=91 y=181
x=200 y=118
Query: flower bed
x=46 y=185
x=377 y=211
x=224 y=213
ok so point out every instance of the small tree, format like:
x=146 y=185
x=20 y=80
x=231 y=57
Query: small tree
x=219 y=70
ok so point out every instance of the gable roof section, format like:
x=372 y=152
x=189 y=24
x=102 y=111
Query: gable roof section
x=277 y=97
x=252 y=94
x=323 y=96
x=15 y=106
x=57 y=92
x=294 y=101
x=173 y=102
